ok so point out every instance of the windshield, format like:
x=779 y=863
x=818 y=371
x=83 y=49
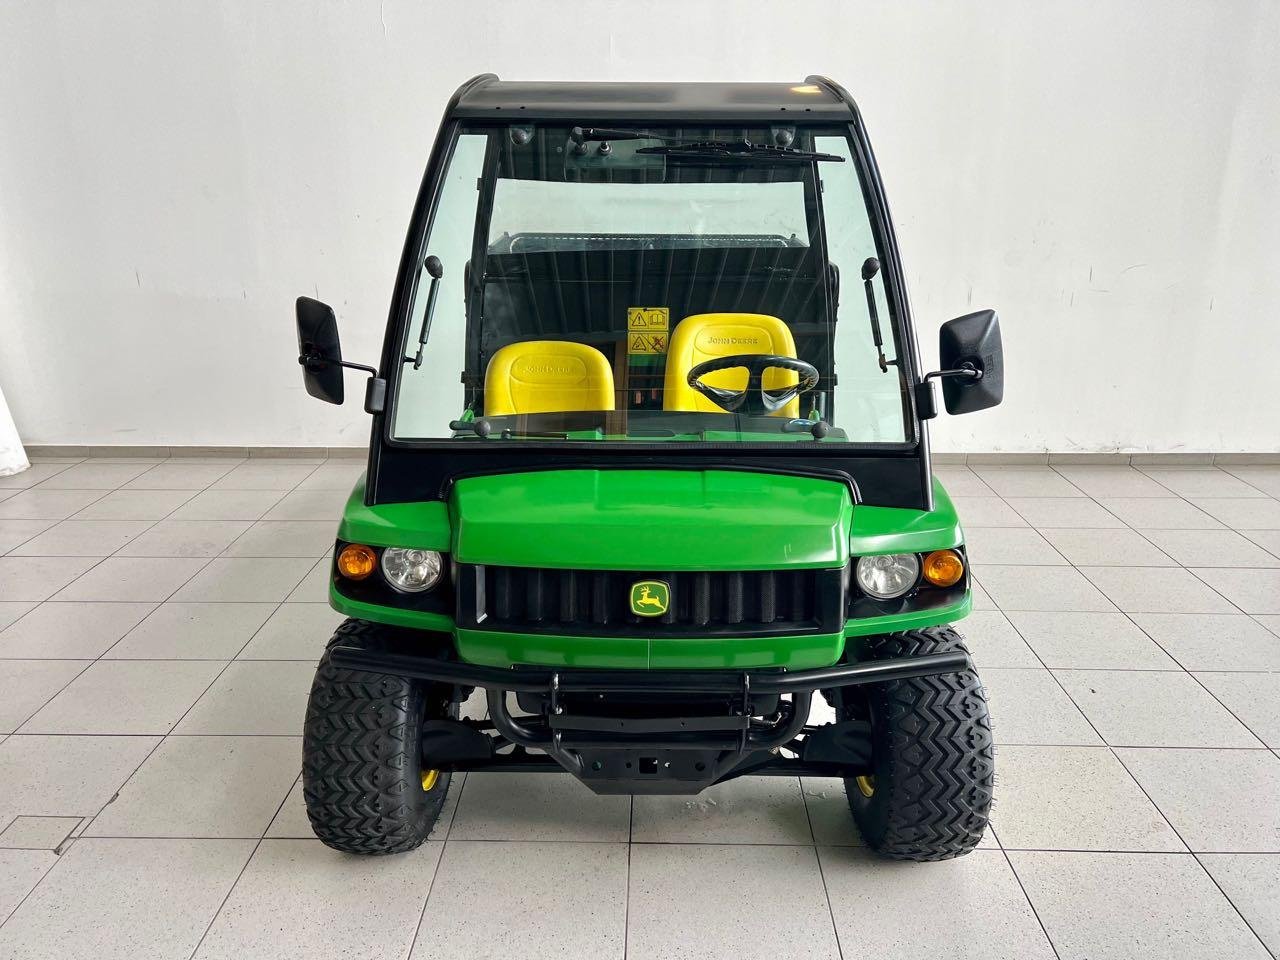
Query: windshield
x=628 y=285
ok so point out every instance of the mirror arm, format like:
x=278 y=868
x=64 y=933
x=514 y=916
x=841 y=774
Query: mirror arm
x=966 y=370
x=926 y=401
x=317 y=361
x=375 y=394
x=371 y=371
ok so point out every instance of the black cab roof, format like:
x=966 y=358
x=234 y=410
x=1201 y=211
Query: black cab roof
x=816 y=98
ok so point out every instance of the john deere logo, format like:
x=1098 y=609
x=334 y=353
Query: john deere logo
x=650 y=598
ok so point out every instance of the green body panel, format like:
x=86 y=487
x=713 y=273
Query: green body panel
x=891 y=530
x=494 y=649
x=794 y=653
x=911 y=619
x=651 y=520
x=424 y=525
x=504 y=649
x=393 y=616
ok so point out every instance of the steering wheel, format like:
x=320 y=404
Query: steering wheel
x=755 y=400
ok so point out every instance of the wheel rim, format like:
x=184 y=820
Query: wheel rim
x=429 y=778
x=866 y=785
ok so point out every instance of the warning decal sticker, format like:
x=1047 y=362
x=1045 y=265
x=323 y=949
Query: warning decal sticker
x=647 y=330
x=646 y=343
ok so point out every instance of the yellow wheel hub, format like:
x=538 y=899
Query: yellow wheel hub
x=866 y=785
x=429 y=778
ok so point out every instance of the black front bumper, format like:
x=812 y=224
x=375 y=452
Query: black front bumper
x=646 y=731
x=541 y=679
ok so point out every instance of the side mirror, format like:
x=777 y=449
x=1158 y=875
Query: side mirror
x=972 y=358
x=319 y=351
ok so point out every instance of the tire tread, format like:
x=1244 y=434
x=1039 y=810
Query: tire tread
x=938 y=753
x=360 y=765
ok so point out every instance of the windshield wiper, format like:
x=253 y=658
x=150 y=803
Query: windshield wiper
x=733 y=151
x=584 y=135
x=483 y=428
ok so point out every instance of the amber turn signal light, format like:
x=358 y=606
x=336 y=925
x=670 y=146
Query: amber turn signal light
x=943 y=568
x=356 y=561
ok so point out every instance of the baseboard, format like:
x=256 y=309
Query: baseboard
x=941 y=458
x=1170 y=459
x=193 y=452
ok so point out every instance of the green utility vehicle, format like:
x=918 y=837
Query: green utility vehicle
x=650 y=466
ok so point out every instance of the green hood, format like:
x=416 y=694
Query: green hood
x=651 y=520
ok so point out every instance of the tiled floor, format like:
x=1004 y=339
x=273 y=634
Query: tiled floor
x=158 y=626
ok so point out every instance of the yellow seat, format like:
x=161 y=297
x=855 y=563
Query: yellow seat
x=547 y=376
x=705 y=336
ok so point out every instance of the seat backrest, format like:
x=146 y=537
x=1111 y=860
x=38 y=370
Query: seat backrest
x=705 y=336
x=547 y=376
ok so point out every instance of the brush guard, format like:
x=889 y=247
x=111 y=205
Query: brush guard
x=668 y=732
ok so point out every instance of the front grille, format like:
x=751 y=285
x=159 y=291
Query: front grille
x=702 y=603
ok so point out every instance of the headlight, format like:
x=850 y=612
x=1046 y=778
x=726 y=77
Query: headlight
x=411 y=571
x=888 y=575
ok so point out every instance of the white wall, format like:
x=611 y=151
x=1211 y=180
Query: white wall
x=173 y=174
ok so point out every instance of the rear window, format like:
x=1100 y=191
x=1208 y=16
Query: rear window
x=539 y=215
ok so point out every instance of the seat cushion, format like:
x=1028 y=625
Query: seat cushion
x=705 y=336
x=547 y=376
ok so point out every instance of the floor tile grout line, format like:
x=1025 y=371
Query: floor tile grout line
x=1030 y=903
x=17 y=546
x=1192 y=852
x=626 y=902
x=209 y=561
x=88 y=822
x=579 y=841
x=1045 y=666
x=243 y=869
x=1225 y=469
x=150 y=526
x=1128 y=616
x=1114 y=754
x=817 y=855
x=1240 y=913
x=1261 y=493
x=1147 y=852
x=1112 y=749
x=422 y=914
x=444 y=845
x=1077 y=567
x=227 y=896
x=57 y=859
x=9 y=552
x=65 y=467
x=88 y=666
x=431 y=885
x=27 y=719
x=994 y=468
x=165 y=736
x=233 y=465
x=1235 y=606
x=214 y=556
x=4 y=659
x=1165 y=485
x=1173 y=493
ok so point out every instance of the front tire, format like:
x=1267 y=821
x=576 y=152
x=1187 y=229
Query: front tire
x=933 y=758
x=362 y=776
